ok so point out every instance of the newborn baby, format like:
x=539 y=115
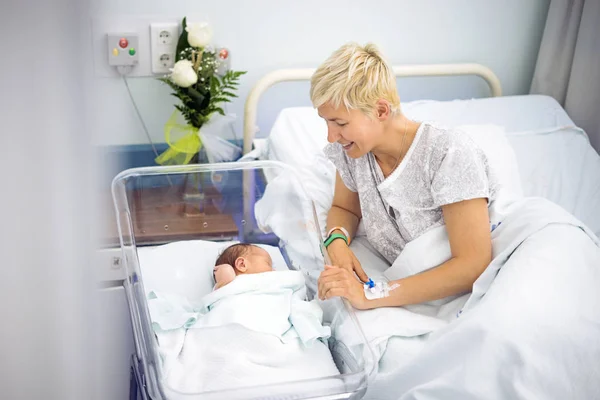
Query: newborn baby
x=258 y=329
x=240 y=259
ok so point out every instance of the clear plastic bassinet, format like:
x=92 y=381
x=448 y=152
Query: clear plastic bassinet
x=260 y=202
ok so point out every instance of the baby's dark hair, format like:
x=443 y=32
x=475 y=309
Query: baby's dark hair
x=232 y=253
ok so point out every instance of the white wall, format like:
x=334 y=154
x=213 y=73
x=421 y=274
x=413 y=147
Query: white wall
x=264 y=35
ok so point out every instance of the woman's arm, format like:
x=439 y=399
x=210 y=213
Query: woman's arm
x=344 y=212
x=345 y=209
x=467 y=224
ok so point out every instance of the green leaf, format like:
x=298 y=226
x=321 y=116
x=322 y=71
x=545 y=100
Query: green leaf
x=207 y=100
x=195 y=94
x=216 y=81
x=177 y=97
x=168 y=82
x=215 y=109
x=220 y=100
x=202 y=88
x=183 y=111
x=182 y=43
x=225 y=93
x=197 y=97
x=184 y=97
x=213 y=85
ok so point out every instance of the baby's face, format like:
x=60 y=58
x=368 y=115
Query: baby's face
x=223 y=274
x=257 y=260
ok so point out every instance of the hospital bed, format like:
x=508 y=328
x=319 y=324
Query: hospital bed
x=537 y=151
x=531 y=138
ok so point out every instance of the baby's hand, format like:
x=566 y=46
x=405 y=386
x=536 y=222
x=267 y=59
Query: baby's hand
x=224 y=274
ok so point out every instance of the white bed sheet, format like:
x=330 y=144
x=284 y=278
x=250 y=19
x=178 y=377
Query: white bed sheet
x=555 y=159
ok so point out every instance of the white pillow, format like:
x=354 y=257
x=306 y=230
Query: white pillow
x=299 y=134
x=186 y=267
x=501 y=156
x=562 y=166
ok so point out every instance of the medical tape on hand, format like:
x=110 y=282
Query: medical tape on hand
x=379 y=290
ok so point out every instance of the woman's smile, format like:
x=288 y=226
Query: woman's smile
x=347 y=146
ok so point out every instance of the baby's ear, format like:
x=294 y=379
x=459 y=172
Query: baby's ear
x=240 y=264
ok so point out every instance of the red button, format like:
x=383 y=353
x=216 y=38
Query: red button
x=123 y=43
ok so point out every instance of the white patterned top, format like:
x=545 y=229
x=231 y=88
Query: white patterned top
x=441 y=166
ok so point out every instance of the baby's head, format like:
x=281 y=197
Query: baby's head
x=240 y=259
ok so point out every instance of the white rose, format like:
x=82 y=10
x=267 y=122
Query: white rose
x=183 y=73
x=199 y=34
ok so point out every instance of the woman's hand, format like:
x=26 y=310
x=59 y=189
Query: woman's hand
x=341 y=256
x=337 y=281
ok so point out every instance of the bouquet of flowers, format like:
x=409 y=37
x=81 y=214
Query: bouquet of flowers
x=202 y=82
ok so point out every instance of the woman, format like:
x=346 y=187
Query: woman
x=402 y=178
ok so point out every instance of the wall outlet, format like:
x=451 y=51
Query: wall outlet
x=163 y=45
x=139 y=25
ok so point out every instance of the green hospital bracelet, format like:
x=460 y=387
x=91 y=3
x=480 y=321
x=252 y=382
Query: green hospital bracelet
x=334 y=236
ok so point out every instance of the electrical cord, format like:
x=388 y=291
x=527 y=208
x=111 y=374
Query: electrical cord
x=137 y=111
x=124 y=70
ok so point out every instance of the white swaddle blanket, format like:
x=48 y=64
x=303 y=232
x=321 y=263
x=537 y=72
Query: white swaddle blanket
x=258 y=329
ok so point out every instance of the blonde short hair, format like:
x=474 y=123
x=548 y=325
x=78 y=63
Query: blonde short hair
x=355 y=76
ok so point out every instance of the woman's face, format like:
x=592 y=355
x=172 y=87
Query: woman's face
x=356 y=132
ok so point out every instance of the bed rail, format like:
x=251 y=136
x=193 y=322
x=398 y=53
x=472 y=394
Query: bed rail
x=286 y=75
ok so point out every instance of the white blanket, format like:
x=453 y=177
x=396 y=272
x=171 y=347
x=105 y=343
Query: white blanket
x=529 y=329
x=256 y=330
